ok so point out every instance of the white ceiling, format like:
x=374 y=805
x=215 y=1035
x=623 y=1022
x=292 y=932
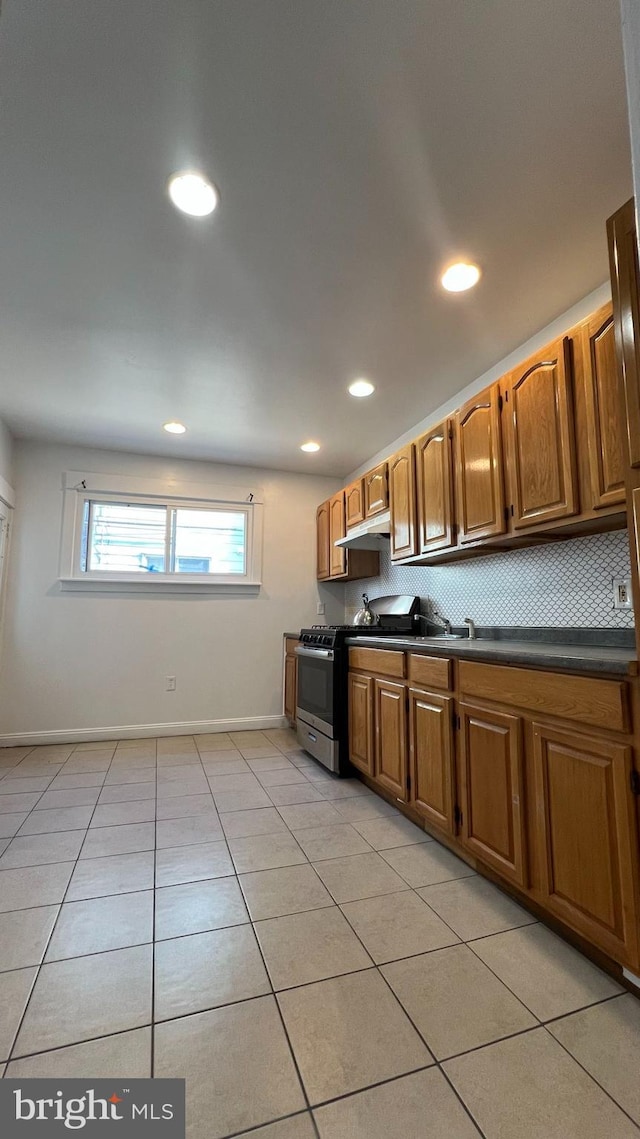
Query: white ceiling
x=357 y=145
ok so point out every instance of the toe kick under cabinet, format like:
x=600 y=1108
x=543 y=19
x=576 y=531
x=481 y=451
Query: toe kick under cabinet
x=530 y=772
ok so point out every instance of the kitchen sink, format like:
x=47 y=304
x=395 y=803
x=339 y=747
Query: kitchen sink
x=436 y=639
x=443 y=637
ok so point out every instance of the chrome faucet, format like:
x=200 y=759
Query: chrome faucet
x=472 y=628
x=436 y=619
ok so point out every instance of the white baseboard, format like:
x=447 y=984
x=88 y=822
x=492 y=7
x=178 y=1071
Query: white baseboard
x=140 y=731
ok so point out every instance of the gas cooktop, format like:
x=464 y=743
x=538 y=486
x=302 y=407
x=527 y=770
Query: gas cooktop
x=329 y=635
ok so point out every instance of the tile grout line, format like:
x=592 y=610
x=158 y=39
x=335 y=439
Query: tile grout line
x=533 y=1028
x=591 y=1076
x=276 y=1003
x=152 y=1050
x=338 y=906
x=44 y=953
x=469 y=945
x=464 y=1106
x=437 y=1063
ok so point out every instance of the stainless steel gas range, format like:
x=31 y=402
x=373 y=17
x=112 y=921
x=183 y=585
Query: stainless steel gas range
x=323 y=664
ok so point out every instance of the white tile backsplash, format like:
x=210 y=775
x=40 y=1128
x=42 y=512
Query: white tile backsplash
x=568 y=584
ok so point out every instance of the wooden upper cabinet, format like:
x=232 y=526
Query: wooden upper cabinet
x=625 y=285
x=354 y=503
x=479 y=473
x=603 y=406
x=323 y=564
x=434 y=479
x=376 y=491
x=402 y=501
x=431 y=757
x=361 y=722
x=337 y=529
x=539 y=438
x=492 y=784
x=587 y=836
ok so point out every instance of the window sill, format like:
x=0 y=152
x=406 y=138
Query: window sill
x=156 y=583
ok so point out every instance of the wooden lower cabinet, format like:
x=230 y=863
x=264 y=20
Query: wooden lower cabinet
x=390 y=753
x=586 y=835
x=361 y=722
x=548 y=804
x=431 y=751
x=290 y=679
x=492 y=789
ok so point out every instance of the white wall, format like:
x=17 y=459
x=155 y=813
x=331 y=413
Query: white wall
x=75 y=661
x=566 y=320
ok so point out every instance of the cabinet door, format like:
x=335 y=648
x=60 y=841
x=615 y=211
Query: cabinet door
x=625 y=285
x=480 y=479
x=605 y=427
x=587 y=836
x=539 y=438
x=354 y=503
x=376 y=491
x=390 y=768
x=323 y=565
x=337 y=556
x=431 y=757
x=361 y=722
x=435 y=490
x=492 y=786
x=290 y=682
x=402 y=500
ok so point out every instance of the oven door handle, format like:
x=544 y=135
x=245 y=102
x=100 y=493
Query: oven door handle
x=303 y=651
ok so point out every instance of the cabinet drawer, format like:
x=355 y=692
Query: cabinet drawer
x=379 y=661
x=602 y=703
x=433 y=672
x=290 y=644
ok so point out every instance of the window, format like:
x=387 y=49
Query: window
x=131 y=538
x=5 y=515
x=134 y=537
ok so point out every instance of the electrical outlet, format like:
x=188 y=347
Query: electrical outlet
x=320 y=609
x=622 y=593
x=171 y=683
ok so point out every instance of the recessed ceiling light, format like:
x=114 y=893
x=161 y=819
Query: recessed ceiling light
x=193 y=194
x=361 y=388
x=174 y=428
x=460 y=276
x=310 y=446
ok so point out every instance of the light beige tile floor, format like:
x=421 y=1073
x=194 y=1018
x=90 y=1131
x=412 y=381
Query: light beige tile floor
x=315 y=966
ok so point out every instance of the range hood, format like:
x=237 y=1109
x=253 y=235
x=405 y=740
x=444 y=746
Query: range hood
x=370 y=535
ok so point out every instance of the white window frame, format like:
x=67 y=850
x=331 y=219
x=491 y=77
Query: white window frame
x=6 y=513
x=80 y=487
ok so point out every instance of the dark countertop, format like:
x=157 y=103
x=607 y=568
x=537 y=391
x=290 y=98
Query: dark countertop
x=563 y=657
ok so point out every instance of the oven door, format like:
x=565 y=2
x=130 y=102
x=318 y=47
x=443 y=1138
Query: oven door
x=315 y=687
